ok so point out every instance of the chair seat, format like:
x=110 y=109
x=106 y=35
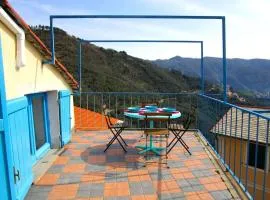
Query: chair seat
x=176 y=126
x=119 y=124
x=156 y=132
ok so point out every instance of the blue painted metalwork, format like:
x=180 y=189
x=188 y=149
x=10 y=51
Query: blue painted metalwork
x=261 y=111
x=205 y=105
x=230 y=148
x=202 y=70
x=142 y=41
x=224 y=60
x=256 y=159
x=133 y=17
x=265 y=158
x=119 y=101
x=139 y=93
x=222 y=18
x=20 y=145
x=80 y=66
x=225 y=141
x=241 y=147
x=65 y=117
x=235 y=130
x=6 y=167
x=237 y=107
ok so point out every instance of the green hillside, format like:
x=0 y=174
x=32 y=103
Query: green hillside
x=108 y=70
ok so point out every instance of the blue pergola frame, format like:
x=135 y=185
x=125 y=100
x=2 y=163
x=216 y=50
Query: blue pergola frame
x=140 y=41
x=223 y=27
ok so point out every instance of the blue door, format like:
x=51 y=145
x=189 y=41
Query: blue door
x=19 y=134
x=65 y=117
x=6 y=181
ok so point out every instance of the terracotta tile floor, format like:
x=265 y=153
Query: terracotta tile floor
x=84 y=171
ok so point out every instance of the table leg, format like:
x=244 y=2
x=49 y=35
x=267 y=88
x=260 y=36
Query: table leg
x=152 y=148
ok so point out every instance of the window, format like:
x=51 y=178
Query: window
x=260 y=155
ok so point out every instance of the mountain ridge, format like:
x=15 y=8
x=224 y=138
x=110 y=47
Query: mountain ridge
x=250 y=75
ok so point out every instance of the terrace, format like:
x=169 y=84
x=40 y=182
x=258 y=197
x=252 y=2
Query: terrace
x=84 y=171
x=229 y=145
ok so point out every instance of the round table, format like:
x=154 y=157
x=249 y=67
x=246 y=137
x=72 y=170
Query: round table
x=151 y=147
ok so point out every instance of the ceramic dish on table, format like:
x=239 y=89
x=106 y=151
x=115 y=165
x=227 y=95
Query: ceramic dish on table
x=168 y=109
x=133 y=109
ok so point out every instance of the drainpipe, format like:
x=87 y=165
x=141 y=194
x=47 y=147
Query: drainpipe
x=20 y=36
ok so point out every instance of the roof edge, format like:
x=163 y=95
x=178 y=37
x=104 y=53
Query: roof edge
x=11 y=11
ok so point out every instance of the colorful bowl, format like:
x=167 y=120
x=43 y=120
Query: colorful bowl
x=133 y=109
x=151 y=107
x=168 y=109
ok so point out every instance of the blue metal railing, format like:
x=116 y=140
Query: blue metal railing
x=238 y=136
x=119 y=101
x=240 y=139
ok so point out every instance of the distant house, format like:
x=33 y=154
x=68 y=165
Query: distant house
x=233 y=132
x=38 y=101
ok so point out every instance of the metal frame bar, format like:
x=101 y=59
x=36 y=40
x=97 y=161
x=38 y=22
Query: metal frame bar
x=168 y=17
x=141 y=41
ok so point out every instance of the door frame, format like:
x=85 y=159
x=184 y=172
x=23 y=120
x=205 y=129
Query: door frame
x=4 y=128
x=39 y=153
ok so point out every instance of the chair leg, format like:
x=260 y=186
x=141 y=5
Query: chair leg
x=179 y=139
x=175 y=133
x=123 y=140
x=167 y=139
x=117 y=130
x=146 y=153
x=183 y=142
x=116 y=135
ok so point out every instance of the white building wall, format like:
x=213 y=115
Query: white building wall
x=33 y=77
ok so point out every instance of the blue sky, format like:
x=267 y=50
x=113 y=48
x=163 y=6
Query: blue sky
x=246 y=22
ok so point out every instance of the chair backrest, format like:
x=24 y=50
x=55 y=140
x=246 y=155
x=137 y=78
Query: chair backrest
x=106 y=113
x=187 y=122
x=156 y=118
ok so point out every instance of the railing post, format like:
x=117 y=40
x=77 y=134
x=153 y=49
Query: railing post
x=241 y=147
x=230 y=148
x=236 y=120
x=80 y=66
x=248 y=142
x=202 y=70
x=256 y=158
x=266 y=152
x=224 y=60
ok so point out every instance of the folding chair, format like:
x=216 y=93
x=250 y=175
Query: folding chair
x=156 y=132
x=179 y=130
x=116 y=130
